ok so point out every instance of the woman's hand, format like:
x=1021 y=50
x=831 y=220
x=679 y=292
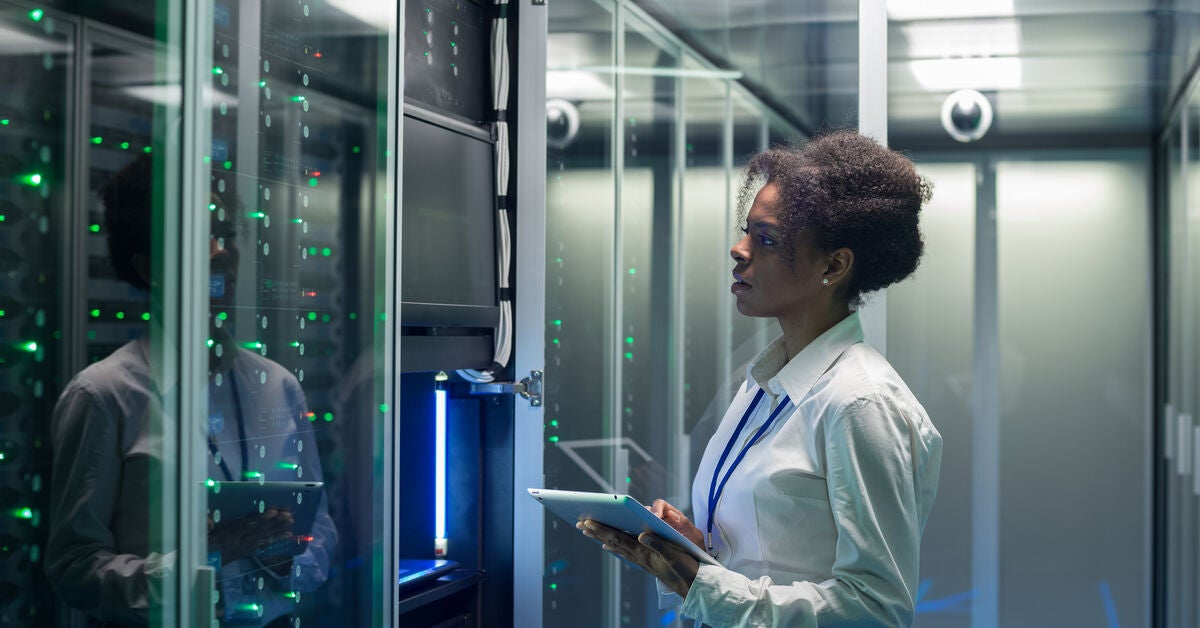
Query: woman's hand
x=676 y=519
x=661 y=559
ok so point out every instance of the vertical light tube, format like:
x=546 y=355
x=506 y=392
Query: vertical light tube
x=439 y=455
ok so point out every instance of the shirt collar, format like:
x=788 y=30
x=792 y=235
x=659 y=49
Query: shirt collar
x=769 y=371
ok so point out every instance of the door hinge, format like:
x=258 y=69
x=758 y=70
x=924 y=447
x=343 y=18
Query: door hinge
x=529 y=388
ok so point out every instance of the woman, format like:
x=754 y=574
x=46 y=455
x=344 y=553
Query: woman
x=815 y=488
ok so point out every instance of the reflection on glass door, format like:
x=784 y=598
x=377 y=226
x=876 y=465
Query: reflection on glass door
x=296 y=216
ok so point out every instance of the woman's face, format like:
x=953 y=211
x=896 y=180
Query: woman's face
x=764 y=282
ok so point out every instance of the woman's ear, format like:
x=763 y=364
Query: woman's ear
x=839 y=265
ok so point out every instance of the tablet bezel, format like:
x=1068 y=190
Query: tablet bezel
x=618 y=511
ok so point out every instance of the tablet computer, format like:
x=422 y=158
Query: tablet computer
x=230 y=501
x=618 y=511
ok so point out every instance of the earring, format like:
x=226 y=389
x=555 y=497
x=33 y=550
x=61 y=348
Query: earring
x=825 y=281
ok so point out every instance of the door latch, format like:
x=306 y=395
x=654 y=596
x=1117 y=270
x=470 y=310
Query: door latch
x=529 y=388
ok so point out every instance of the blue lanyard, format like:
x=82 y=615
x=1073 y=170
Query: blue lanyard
x=715 y=489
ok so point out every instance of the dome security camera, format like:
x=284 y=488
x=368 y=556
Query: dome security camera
x=967 y=115
x=562 y=122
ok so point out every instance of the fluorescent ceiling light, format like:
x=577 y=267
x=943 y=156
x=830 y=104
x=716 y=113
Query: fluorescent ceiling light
x=725 y=75
x=905 y=10
x=982 y=73
x=171 y=95
x=365 y=11
x=963 y=38
x=577 y=86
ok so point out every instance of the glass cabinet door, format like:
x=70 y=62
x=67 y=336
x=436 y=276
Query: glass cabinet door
x=297 y=221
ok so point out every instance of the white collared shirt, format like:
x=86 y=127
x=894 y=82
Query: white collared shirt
x=821 y=522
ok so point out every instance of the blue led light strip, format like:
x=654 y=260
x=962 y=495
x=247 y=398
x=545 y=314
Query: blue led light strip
x=439 y=542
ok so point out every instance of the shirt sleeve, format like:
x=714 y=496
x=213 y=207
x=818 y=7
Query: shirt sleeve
x=868 y=446
x=81 y=558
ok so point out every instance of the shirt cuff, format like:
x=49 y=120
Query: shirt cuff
x=704 y=593
x=666 y=597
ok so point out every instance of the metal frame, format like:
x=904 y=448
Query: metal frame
x=388 y=613
x=530 y=309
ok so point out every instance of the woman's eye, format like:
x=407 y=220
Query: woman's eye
x=766 y=240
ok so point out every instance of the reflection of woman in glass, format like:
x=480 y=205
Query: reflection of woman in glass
x=815 y=488
x=107 y=453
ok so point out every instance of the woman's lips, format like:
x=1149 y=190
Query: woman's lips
x=739 y=287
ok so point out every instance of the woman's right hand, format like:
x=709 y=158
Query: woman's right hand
x=676 y=519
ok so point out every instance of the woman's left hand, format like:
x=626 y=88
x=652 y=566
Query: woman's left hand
x=660 y=558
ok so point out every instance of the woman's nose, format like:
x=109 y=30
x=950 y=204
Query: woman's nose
x=739 y=252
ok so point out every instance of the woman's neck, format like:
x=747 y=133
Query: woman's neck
x=800 y=329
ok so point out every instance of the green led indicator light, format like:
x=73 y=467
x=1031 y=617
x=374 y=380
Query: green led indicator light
x=23 y=513
x=147 y=150
x=426 y=53
x=228 y=164
x=210 y=483
x=217 y=70
x=629 y=340
x=262 y=83
x=91 y=335
x=555 y=341
x=312 y=182
x=257 y=214
x=206 y=159
x=558 y=322
x=328 y=416
x=383 y=407
x=312 y=316
x=324 y=318
x=554 y=423
x=94 y=228
x=36 y=15
x=97 y=140
x=209 y=343
x=294 y=343
x=356 y=150
x=298 y=220
x=252 y=608
x=558 y=260
x=326 y=252
x=252 y=345
x=145 y=316
x=628 y=356
x=34 y=179
x=632 y=271
x=120 y=316
x=223 y=316
x=95 y=313
x=298 y=99
x=553 y=586
x=212 y=207
x=453 y=45
x=29 y=347
x=383 y=316
x=288 y=465
x=4 y=121
x=252 y=475
x=553 y=439
x=124 y=145
x=312 y=250
x=2 y=458
x=3 y=217
x=353 y=316
x=290 y=595
x=628 y=479
x=3 y=313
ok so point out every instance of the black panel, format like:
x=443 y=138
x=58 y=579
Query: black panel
x=449 y=247
x=446 y=57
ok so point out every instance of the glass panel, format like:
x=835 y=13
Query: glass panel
x=297 y=214
x=931 y=349
x=37 y=70
x=749 y=335
x=1177 y=274
x=580 y=241
x=705 y=230
x=645 y=422
x=1074 y=328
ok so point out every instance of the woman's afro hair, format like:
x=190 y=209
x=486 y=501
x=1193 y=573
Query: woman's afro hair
x=847 y=191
